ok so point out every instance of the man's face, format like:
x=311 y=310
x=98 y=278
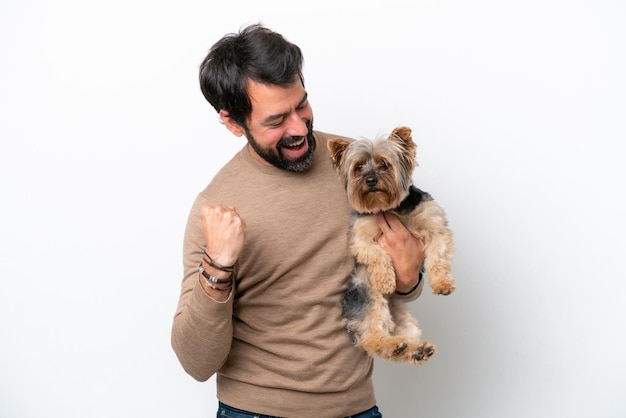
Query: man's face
x=280 y=127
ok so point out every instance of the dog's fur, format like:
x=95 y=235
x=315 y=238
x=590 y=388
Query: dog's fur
x=377 y=176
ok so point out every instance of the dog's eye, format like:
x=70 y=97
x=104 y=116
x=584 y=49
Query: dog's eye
x=383 y=164
x=358 y=168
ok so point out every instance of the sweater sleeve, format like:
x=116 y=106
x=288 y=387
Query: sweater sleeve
x=202 y=328
x=416 y=291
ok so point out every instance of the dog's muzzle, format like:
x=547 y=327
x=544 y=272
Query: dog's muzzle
x=371 y=181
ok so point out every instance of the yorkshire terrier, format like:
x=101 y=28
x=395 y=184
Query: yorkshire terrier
x=377 y=176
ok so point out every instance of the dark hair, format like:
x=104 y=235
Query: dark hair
x=255 y=53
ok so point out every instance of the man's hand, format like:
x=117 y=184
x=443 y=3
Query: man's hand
x=224 y=232
x=406 y=251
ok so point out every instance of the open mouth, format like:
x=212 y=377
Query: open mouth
x=295 y=149
x=295 y=145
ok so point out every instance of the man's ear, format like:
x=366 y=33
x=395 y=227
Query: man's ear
x=230 y=123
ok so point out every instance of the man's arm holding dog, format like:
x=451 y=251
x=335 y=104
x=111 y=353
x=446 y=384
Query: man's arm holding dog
x=406 y=251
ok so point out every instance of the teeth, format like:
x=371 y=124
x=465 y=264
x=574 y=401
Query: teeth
x=295 y=144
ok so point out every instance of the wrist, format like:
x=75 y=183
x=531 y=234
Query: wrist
x=217 y=265
x=409 y=290
x=216 y=295
x=217 y=275
x=216 y=283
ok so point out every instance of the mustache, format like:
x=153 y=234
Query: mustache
x=290 y=140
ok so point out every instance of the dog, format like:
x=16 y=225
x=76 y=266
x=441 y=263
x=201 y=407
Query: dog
x=377 y=176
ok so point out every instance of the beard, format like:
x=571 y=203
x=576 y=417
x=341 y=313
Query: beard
x=276 y=157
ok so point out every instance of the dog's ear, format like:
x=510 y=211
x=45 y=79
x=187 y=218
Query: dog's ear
x=403 y=134
x=337 y=147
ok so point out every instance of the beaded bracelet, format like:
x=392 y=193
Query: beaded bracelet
x=212 y=278
x=217 y=265
x=212 y=286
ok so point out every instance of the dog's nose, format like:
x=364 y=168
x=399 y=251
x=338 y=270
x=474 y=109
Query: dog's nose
x=371 y=181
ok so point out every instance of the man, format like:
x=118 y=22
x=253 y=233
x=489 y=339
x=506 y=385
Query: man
x=266 y=257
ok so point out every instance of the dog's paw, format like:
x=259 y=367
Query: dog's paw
x=443 y=286
x=400 y=348
x=423 y=352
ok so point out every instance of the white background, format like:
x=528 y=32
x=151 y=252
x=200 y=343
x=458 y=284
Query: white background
x=518 y=109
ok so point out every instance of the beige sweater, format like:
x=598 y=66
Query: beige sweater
x=277 y=344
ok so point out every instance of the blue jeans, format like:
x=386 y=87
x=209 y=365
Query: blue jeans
x=225 y=411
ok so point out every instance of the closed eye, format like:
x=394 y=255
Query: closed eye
x=276 y=124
